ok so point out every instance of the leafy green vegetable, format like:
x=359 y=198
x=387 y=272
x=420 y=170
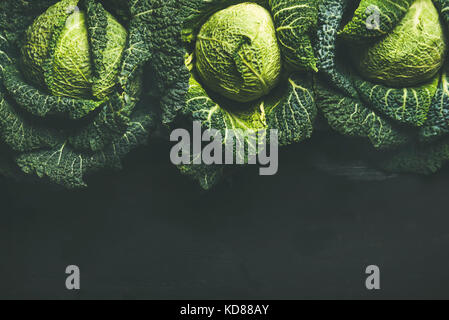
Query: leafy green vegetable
x=296 y=22
x=84 y=82
x=251 y=67
x=71 y=82
x=412 y=53
x=237 y=53
x=392 y=86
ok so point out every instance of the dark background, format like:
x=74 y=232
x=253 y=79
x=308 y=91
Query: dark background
x=148 y=232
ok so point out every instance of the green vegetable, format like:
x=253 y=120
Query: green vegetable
x=393 y=87
x=84 y=82
x=412 y=53
x=237 y=53
x=251 y=67
x=71 y=82
x=57 y=52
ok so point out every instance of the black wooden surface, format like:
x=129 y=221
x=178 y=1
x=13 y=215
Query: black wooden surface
x=148 y=232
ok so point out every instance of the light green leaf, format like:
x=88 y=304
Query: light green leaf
x=363 y=25
x=296 y=22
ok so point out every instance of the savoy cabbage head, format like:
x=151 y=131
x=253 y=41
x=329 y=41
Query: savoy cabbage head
x=383 y=78
x=71 y=82
x=251 y=66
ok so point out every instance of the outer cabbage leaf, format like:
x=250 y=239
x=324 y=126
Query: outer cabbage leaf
x=195 y=12
x=418 y=158
x=290 y=110
x=16 y=16
x=296 y=22
x=106 y=35
x=363 y=26
x=207 y=176
x=437 y=124
x=40 y=104
x=8 y=167
x=347 y=115
x=171 y=77
x=408 y=105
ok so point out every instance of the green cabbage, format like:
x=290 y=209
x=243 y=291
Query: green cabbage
x=412 y=53
x=57 y=52
x=258 y=75
x=84 y=82
x=392 y=87
x=237 y=53
x=71 y=82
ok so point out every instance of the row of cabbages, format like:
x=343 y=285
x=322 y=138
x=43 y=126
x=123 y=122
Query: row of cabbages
x=84 y=82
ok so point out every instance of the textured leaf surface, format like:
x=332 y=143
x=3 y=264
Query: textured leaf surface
x=207 y=176
x=348 y=116
x=40 y=104
x=408 y=105
x=20 y=135
x=39 y=40
x=16 y=16
x=296 y=22
x=437 y=124
x=68 y=167
x=337 y=97
x=237 y=54
x=68 y=68
x=421 y=159
x=375 y=18
x=107 y=40
x=291 y=109
x=195 y=12
x=200 y=107
x=163 y=37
